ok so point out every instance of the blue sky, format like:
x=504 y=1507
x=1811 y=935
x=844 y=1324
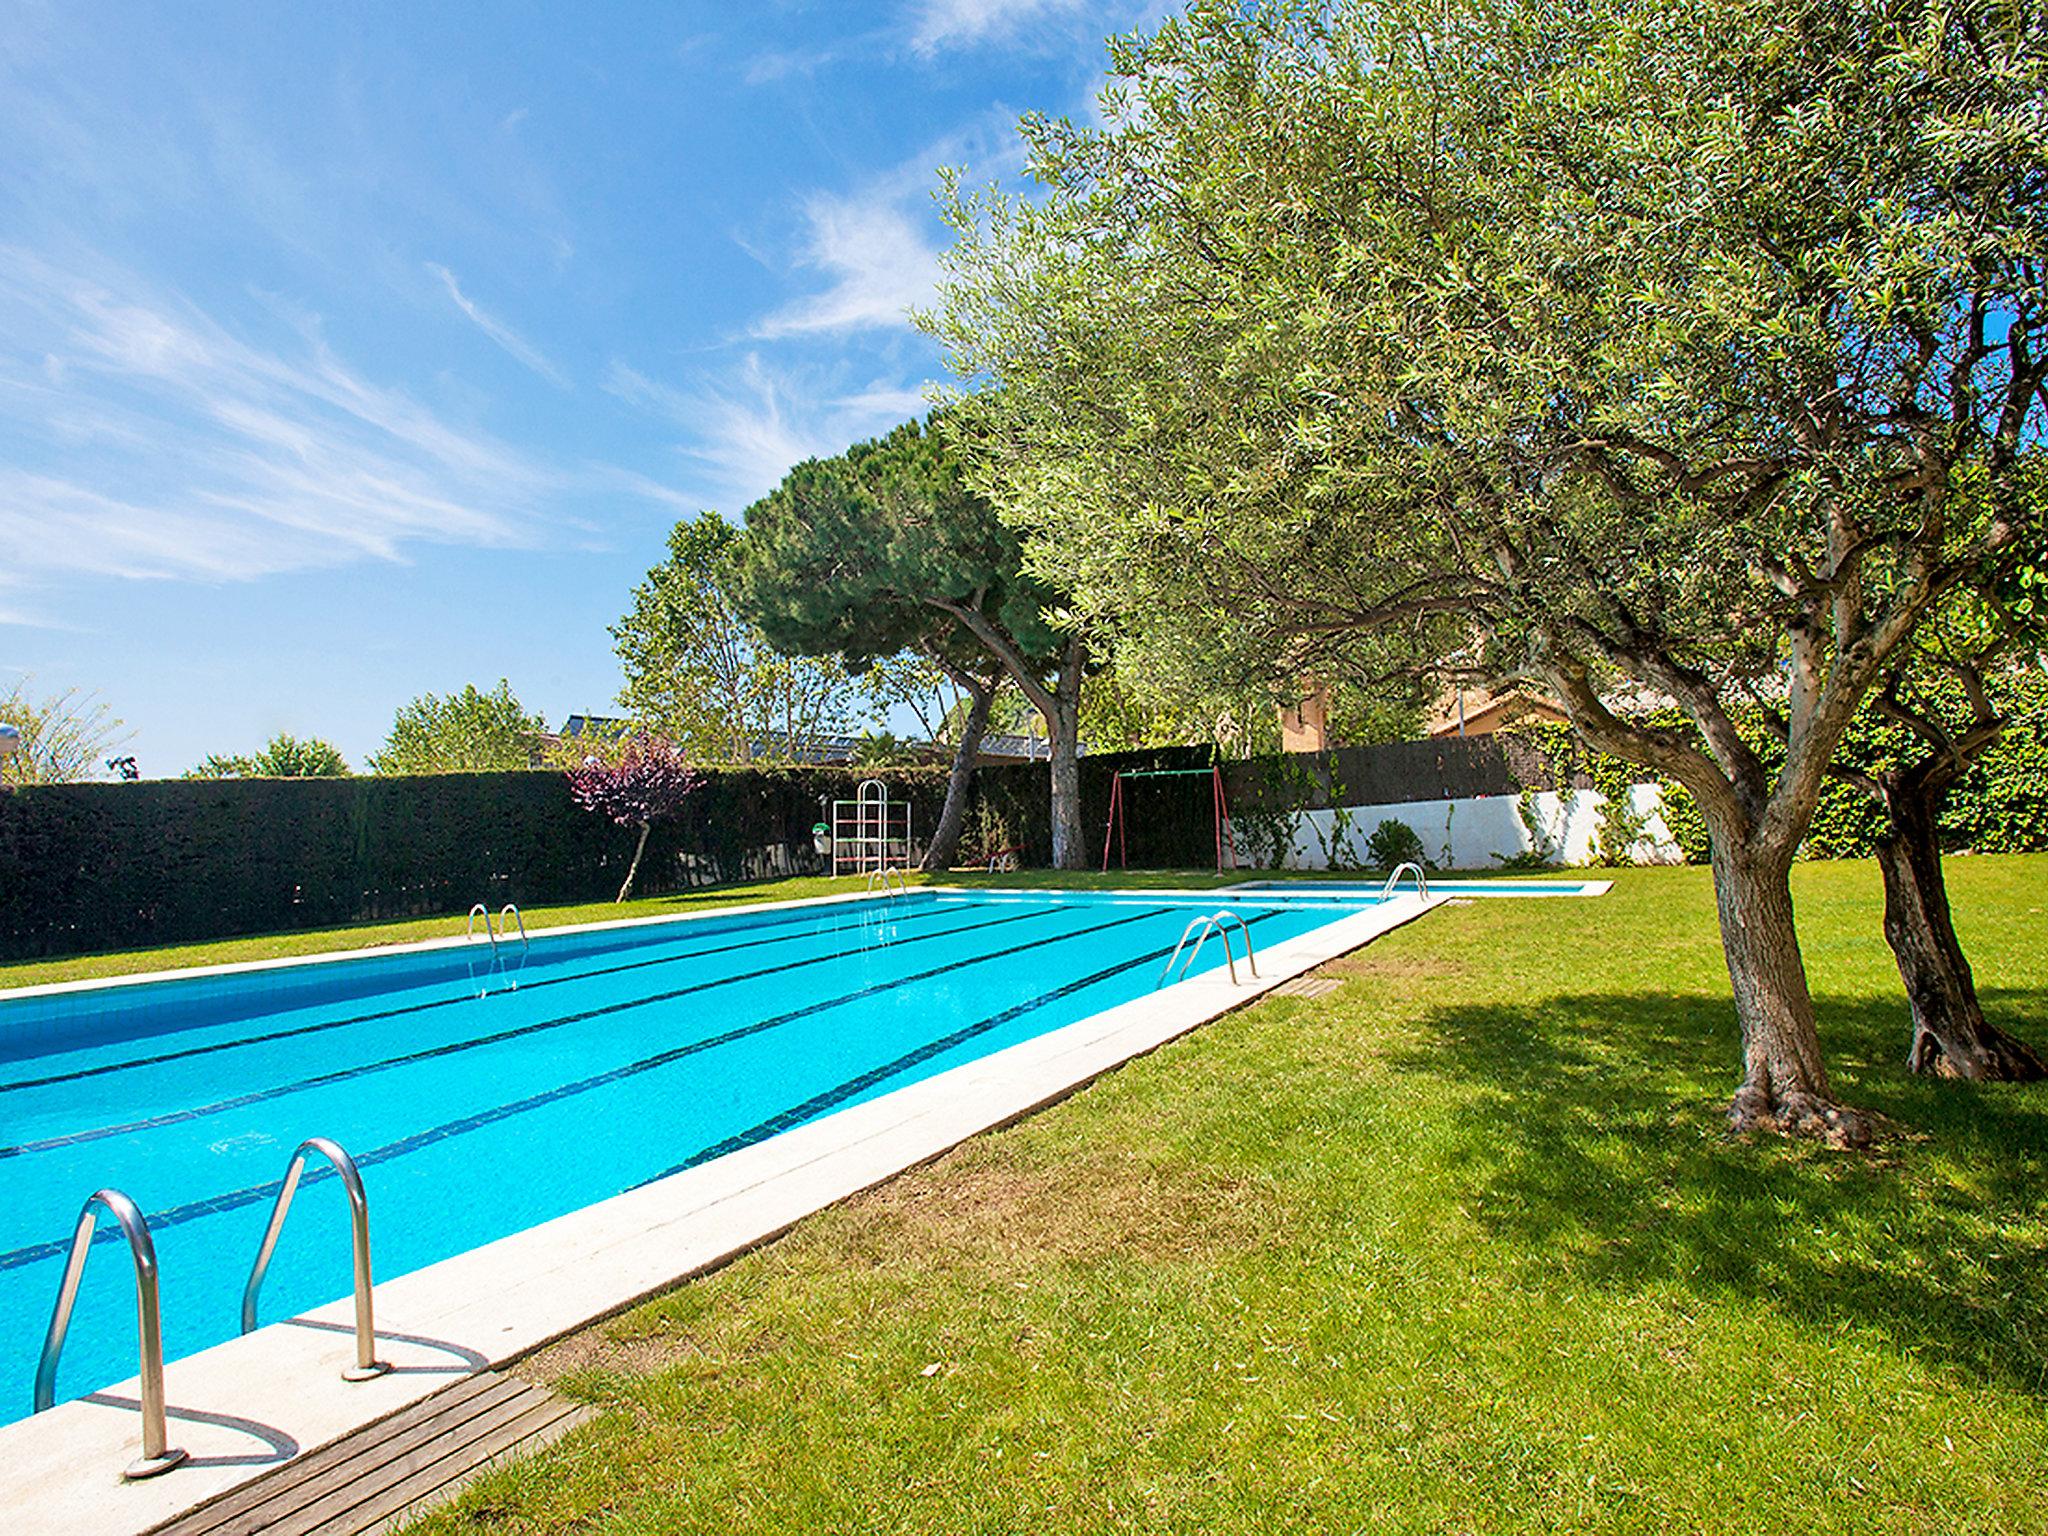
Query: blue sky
x=352 y=352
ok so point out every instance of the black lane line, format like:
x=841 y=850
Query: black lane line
x=444 y=1002
x=251 y=1194
x=831 y=1098
x=456 y=1047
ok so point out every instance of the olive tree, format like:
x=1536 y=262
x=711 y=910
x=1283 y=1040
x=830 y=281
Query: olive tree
x=1944 y=701
x=1632 y=352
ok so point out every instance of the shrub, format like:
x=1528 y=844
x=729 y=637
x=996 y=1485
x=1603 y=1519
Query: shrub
x=1394 y=843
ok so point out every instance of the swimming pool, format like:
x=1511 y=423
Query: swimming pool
x=482 y=1097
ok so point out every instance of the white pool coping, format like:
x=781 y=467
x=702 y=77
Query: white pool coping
x=1473 y=885
x=246 y=1406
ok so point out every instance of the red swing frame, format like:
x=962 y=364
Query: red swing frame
x=1119 y=820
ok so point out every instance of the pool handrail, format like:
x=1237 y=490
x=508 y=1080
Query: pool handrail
x=882 y=875
x=367 y=1364
x=157 y=1455
x=1223 y=918
x=484 y=912
x=512 y=911
x=1393 y=880
x=1217 y=923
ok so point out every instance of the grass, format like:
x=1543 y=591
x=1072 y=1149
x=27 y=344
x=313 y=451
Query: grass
x=1460 y=1247
x=315 y=941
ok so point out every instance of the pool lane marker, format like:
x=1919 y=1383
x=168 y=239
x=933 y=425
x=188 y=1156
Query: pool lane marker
x=251 y=1194
x=835 y=1096
x=441 y=1002
x=456 y=1047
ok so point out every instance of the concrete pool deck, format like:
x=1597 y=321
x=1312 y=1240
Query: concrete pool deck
x=247 y=1406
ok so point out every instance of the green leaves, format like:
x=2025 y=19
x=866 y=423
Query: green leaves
x=284 y=757
x=1633 y=340
x=871 y=553
x=701 y=673
x=466 y=732
x=64 y=737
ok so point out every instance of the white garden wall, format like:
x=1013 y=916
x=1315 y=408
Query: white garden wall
x=1479 y=832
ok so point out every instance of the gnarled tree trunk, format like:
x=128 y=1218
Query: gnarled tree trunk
x=1951 y=1036
x=944 y=847
x=1784 y=1082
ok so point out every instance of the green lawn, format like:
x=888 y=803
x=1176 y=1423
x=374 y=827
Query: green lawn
x=1459 y=1248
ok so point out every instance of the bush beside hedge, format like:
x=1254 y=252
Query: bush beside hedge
x=105 y=866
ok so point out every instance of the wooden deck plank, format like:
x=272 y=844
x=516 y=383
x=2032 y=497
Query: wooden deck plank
x=282 y=1490
x=398 y=1464
x=435 y=1460
x=397 y=1506
x=1308 y=986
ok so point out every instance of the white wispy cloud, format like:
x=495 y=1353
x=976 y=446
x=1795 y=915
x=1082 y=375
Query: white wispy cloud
x=876 y=243
x=514 y=344
x=141 y=438
x=885 y=400
x=802 y=63
x=741 y=435
x=937 y=25
x=881 y=261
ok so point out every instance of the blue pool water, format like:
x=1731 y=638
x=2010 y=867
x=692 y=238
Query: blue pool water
x=482 y=1099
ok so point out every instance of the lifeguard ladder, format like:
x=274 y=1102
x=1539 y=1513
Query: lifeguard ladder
x=870 y=832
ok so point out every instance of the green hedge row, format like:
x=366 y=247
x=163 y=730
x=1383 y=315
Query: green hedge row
x=105 y=866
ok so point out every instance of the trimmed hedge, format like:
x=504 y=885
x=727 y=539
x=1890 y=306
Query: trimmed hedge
x=107 y=866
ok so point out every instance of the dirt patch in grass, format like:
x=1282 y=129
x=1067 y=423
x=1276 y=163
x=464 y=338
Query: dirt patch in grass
x=606 y=1350
x=1378 y=962
x=986 y=1206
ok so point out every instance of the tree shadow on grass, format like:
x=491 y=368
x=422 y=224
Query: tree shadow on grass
x=1594 y=1143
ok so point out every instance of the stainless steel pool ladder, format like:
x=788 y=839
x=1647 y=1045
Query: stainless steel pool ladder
x=1393 y=880
x=157 y=1456
x=1199 y=929
x=882 y=876
x=484 y=912
x=367 y=1364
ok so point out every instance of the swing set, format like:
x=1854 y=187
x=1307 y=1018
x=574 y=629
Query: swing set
x=1226 y=835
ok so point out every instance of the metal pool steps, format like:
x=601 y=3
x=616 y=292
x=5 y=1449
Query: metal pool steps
x=502 y=929
x=883 y=877
x=1394 y=881
x=157 y=1455
x=395 y=1470
x=1199 y=930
